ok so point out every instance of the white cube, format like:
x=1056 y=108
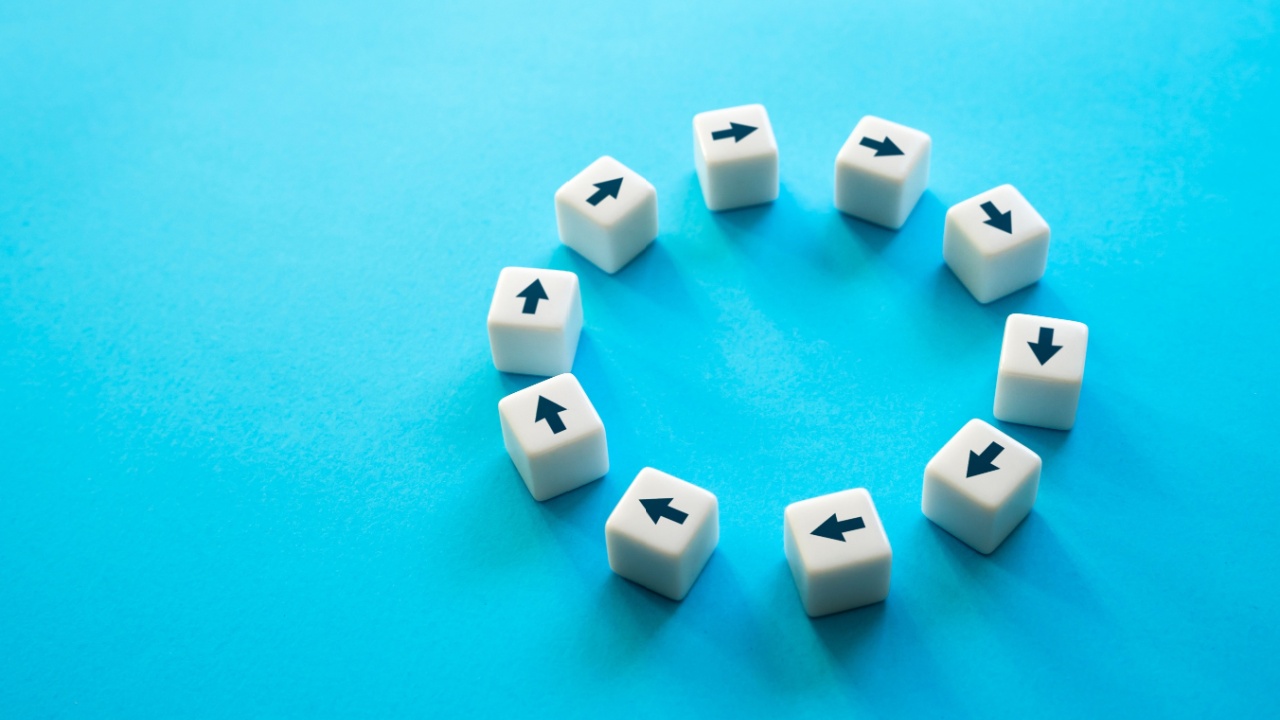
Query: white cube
x=838 y=551
x=1041 y=371
x=736 y=157
x=996 y=243
x=535 y=320
x=662 y=533
x=882 y=171
x=554 y=436
x=607 y=213
x=980 y=485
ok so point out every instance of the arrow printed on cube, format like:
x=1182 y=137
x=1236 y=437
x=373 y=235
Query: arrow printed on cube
x=550 y=412
x=996 y=219
x=532 y=295
x=882 y=148
x=980 y=463
x=736 y=131
x=835 y=529
x=1045 y=349
x=659 y=508
x=606 y=189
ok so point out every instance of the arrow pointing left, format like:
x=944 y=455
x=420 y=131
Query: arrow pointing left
x=606 y=189
x=550 y=412
x=659 y=508
x=835 y=529
x=532 y=295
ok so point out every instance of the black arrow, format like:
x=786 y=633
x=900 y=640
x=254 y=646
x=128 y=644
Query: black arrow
x=835 y=529
x=532 y=295
x=659 y=508
x=1045 y=349
x=735 y=131
x=979 y=464
x=608 y=188
x=996 y=219
x=882 y=148
x=550 y=412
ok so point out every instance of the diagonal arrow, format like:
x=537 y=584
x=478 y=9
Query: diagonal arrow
x=549 y=411
x=882 y=148
x=735 y=131
x=659 y=508
x=532 y=295
x=835 y=529
x=996 y=219
x=981 y=463
x=1044 y=349
x=608 y=188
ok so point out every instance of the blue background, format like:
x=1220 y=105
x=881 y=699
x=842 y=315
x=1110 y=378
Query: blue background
x=250 y=454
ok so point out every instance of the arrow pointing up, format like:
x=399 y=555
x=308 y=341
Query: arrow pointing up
x=659 y=508
x=532 y=295
x=979 y=464
x=1045 y=349
x=735 y=131
x=996 y=219
x=882 y=148
x=549 y=411
x=608 y=188
x=835 y=529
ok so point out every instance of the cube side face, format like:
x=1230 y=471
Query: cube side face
x=645 y=566
x=569 y=466
x=857 y=585
x=957 y=513
x=1018 y=507
x=962 y=256
x=733 y=184
x=533 y=351
x=1041 y=402
x=582 y=235
x=872 y=198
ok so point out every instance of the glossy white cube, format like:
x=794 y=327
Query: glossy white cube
x=736 y=157
x=662 y=533
x=881 y=171
x=1037 y=384
x=535 y=320
x=554 y=450
x=995 y=243
x=836 y=575
x=980 y=485
x=607 y=213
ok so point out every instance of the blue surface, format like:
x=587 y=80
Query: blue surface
x=251 y=456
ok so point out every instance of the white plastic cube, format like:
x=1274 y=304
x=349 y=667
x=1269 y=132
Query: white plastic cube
x=980 y=485
x=838 y=551
x=996 y=243
x=535 y=320
x=554 y=436
x=736 y=157
x=882 y=171
x=662 y=533
x=1041 y=371
x=607 y=213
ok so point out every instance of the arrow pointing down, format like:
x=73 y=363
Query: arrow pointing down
x=1045 y=349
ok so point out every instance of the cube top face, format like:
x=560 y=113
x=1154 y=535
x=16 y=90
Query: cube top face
x=884 y=149
x=1044 y=348
x=550 y=414
x=605 y=192
x=733 y=134
x=983 y=464
x=662 y=512
x=997 y=220
x=835 y=531
x=534 y=298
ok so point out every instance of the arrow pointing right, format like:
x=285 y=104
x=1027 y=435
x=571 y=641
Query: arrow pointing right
x=835 y=529
x=981 y=463
x=549 y=411
x=735 y=131
x=532 y=295
x=659 y=508
x=882 y=148
x=608 y=188
x=996 y=219
x=1044 y=349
